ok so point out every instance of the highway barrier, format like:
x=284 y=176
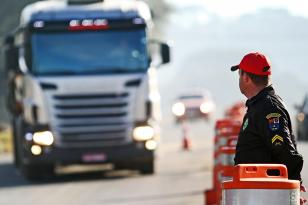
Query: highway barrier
x=224 y=168
x=254 y=184
x=236 y=111
x=225 y=129
x=224 y=149
x=226 y=133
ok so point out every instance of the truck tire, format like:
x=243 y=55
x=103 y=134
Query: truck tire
x=37 y=172
x=30 y=171
x=16 y=156
x=147 y=167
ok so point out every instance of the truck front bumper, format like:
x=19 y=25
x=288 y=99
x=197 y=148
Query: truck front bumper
x=120 y=154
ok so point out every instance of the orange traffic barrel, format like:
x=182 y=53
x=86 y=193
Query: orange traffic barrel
x=224 y=140
x=232 y=129
x=222 y=146
x=237 y=111
x=226 y=156
x=210 y=197
x=225 y=163
x=226 y=173
x=222 y=122
x=255 y=184
x=225 y=168
x=225 y=126
x=232 y=141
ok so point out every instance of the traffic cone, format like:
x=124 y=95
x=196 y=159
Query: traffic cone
x=186 y=142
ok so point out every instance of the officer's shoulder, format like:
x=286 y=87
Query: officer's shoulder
x=268 y=103
x=272 y=104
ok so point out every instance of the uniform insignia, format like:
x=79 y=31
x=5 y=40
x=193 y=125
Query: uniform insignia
x=273 y=121
x=245 y=124
x=271 y=115
x=277 y=140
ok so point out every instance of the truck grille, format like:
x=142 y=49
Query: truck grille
x=91 y=120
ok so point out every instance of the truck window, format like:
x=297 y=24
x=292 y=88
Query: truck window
x=90 y=52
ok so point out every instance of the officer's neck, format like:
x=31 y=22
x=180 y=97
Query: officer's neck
x=253 y=91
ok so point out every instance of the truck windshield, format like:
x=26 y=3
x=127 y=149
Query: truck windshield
x=91 y=52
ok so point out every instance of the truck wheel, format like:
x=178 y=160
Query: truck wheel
x=37 y=172
x=147 y=167
x=15 y=144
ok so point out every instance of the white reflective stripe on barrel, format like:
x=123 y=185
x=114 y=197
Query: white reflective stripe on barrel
x=226 y=159
x=222 y=178
x=261 y=196
x=222 y=141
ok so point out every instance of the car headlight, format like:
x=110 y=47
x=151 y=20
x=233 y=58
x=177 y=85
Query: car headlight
x=178 y=109
x=151 y=144
x=206 y=107
x=143 y=133
x=43 y=138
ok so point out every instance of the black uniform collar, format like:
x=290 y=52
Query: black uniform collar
x=260 y=95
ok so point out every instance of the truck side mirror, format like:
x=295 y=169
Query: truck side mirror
x=165 y=53
x=10 y=54
x=160 y=53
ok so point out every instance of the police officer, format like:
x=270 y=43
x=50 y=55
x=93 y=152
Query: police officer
x=266 y=134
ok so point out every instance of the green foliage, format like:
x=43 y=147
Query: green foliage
x=5 y=140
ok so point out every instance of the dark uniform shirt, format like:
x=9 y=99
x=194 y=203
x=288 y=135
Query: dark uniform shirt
x=266 y=134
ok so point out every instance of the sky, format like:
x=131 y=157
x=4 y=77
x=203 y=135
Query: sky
x=236 y=8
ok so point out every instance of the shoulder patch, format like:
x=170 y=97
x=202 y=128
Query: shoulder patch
x=277 y=140
x=273 y=121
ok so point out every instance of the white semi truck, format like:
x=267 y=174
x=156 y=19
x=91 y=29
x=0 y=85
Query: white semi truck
x=83 y=87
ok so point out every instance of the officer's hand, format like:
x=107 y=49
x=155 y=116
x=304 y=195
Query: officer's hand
x=302 y=199
x=303 y=188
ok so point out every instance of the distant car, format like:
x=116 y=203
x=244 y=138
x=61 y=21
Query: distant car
x=302 y=120
x=193 y=106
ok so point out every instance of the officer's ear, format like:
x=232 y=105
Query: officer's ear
x=246 y=77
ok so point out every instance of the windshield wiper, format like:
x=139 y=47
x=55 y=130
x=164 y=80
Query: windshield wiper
x=91 y=71
x=64 y=72
x=115 y=70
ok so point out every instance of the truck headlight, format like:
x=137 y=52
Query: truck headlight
x=36 y=150
x=143 y=133
x=178 y=109
x=206 y=107
x=43 y=138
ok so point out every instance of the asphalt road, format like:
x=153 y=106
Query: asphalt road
x=181 y=178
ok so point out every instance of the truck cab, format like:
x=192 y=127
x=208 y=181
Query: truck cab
x=83 y=87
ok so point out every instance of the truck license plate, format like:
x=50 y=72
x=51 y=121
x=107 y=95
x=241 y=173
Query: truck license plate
x=94 y=157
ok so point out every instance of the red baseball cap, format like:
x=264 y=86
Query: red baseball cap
x=255 y=63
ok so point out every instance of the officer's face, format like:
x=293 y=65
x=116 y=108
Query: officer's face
x=241 y=81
